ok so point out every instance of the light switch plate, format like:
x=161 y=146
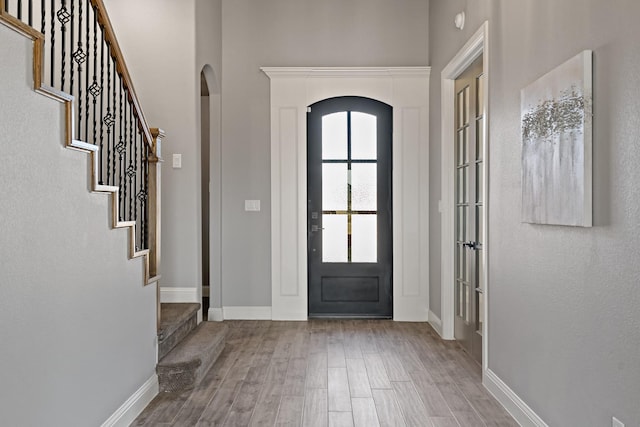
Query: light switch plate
x=252 y=205
x=177 y=161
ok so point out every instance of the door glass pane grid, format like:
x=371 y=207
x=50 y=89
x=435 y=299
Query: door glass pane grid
x=479 y=137
x=349 y=188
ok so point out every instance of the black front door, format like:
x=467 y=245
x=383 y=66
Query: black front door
x=349 y=208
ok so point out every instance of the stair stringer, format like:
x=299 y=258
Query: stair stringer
x=70 y=142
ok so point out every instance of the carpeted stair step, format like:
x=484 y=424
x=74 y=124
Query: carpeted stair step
x=184 y=367
x=177 y=320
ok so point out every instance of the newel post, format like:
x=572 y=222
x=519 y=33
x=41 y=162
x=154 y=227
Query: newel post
x=155 y=166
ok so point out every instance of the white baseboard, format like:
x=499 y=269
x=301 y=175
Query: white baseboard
x=435 y=322
x=168 y=294
x=134 y=405
x=215 y=315
x=246 y=313
x=518 y=409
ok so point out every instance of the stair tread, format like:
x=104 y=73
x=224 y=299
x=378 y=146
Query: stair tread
x=172 y=315
x=195 y=346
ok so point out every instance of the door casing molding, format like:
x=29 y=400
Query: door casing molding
x=477 y=45
x=406 y=89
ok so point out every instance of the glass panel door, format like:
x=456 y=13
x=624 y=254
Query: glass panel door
x=349 y=192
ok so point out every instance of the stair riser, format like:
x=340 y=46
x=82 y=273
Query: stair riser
x=169 y=342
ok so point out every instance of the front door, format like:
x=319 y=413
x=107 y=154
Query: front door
x=469 y=198
x=349 y=208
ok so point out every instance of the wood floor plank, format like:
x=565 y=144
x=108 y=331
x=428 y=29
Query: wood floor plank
x=290 y=411
x=338 y=390
x=218 y=408
x=341 y=419
x=468 y=419
x=317 y=371
x=266 y=410
x=376 y=371
x=444 y=422
x=430 y=394
x=336 y=356
x=358 y=379
x=395 y=369
x=364 y=412
x=415 y=414
x=295 y=377
x=315 y=408
x=389 y=413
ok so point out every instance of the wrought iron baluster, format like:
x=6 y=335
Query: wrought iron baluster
x=113 y=136
x=79 y=57
x=19 y=9
x=43 y=12
x=121 y=151
x=86 y=79
x=131 y=171
x=63 y=18
x=145 y=199
x=52 y=59
x=71 y=44
x=108 y=119
x=30 y=13
x=101 y=181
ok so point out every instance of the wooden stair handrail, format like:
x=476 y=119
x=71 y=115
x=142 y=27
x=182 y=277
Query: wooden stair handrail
x=121 y=67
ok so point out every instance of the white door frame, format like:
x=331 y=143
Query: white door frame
x=477 y=45
x=406 y=89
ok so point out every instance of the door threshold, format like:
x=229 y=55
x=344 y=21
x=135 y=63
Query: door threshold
x=348 y=316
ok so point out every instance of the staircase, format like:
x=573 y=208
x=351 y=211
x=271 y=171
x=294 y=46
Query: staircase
x=186 y=351
x=77 y=61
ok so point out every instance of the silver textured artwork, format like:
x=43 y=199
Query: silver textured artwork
x=556 y=114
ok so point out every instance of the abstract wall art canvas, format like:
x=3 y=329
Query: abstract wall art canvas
x=556 y=115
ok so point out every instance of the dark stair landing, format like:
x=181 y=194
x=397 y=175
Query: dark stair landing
x=186 y=351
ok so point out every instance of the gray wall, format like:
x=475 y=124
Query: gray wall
x=564 y=330
x=78 y=328
x=260 y=33
x=158 y=40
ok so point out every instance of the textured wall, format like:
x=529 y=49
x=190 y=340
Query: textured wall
x=78 y=327
x=564 y=332
x=260 y=33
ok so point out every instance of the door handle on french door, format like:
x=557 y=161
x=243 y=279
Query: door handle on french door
x=471 y=245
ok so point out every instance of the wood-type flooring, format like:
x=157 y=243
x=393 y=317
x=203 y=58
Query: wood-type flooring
x=334 y=373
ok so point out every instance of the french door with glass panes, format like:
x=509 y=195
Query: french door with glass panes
x=469 y=146
x=349 y=208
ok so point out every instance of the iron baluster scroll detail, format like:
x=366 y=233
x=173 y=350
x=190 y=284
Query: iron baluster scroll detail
x=81 y=58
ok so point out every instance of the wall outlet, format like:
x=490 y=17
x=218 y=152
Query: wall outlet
x=252 y=205
x=616 y=422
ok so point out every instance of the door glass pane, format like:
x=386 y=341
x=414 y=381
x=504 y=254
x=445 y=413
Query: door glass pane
x=460 y=122
x=364 y=195
x=460 y=221
x=479 y=95
x=462 y=271
x=462 y=185
x=480 y=312
x=459 y=299
x=467 y=305
x=466 y=105
x=364 y=142
x=479 y=177
x=479 y=233
x=334 y=136
x=480 y=278
x=334 y=238
x=479 y=139
x=334 y=187
x=364 y=238
x=462 y=147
